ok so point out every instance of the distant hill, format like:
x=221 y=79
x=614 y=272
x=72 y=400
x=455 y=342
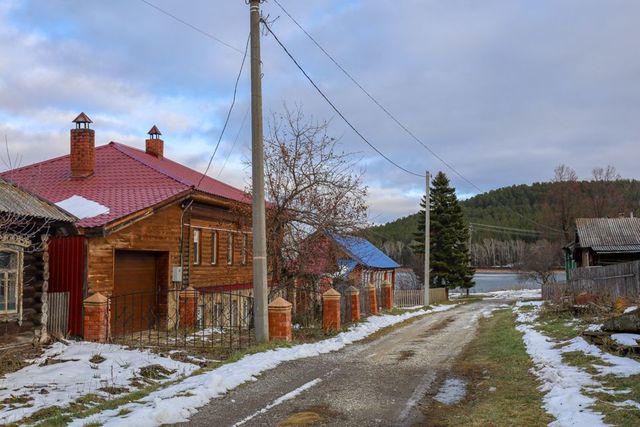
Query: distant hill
x=529 y=207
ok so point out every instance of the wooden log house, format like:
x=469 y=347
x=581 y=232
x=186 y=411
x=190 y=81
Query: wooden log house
x=148 y=227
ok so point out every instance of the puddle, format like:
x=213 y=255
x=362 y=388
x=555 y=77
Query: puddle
x=452 y=391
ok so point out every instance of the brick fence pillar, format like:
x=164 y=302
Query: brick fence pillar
x=373 y=298
x=331 y=310
x=280 y=320
x=387 y=296
x=96 y=318
x=188 y=307
x=354 y=300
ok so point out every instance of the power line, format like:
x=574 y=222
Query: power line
x=488 y=227
x=193 y=27
x=392 y=116
x=233 y=103
x=333 y=106
x=240 y=129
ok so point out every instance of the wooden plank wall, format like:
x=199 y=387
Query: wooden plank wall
x=609 y=283
x=161 y=232
x=415 y=297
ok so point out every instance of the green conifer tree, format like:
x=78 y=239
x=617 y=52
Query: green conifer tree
x=449 y=233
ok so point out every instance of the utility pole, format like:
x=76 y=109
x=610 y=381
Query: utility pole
x=260 y=314
x=427 y=231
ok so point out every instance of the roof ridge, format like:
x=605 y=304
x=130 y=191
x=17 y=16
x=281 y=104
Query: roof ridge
x=119 y=146
x=122 y=147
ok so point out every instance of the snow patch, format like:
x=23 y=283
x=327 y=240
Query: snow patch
x=82 y=208
x=452 y=391
x=173 y=405
x=517 y=294
x=562 y=383
x=626 y=339
x=66 y=371
x=630 y=309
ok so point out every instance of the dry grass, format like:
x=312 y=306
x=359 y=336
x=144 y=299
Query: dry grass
x=501 y=389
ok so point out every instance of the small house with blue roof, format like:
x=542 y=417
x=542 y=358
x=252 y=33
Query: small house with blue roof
x=354 y=259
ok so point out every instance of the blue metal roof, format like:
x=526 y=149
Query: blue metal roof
x=364 y=251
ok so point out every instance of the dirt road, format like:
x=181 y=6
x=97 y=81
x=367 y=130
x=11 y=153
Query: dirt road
x=378 y=383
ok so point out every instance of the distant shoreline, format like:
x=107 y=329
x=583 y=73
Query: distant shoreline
x=498 y=270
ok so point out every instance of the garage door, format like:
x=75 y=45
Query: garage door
x=134 y=299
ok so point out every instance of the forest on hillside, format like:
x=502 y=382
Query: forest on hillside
x=506 y=220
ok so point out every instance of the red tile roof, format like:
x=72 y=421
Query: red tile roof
x=126 y=180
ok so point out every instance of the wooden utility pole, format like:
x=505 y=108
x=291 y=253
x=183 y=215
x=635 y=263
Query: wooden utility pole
x=260 y=301
x=427 y=232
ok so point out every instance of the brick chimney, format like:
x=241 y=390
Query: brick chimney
x=83 y=148
x=154 y=145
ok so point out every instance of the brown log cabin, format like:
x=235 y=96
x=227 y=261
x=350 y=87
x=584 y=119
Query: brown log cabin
x=26 y=225
x=147 y=225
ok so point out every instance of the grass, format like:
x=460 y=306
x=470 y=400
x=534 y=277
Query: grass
x=502 y=391
x=608 y=404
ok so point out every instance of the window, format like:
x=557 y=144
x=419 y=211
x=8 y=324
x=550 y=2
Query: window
x=230 y=248
x=196 y=246
x=9 y=284
x=244 y=248
x=214 y=247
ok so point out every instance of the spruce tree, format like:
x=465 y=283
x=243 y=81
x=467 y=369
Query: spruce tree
x=449 y=233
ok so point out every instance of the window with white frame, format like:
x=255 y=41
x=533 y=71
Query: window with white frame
x=214 y=247
x=230 y=248
x=244 y=248
x=196 y=246
x=10 y=268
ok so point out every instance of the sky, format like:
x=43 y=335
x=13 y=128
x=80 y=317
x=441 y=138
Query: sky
x=502 y=90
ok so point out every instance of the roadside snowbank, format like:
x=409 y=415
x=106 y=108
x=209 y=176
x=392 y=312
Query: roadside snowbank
x=517 y=294
x=561 y=382
x=66 y=372
x=178 y=402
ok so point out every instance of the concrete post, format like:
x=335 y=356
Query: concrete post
x=280 y=328
x=96 y=318
x=387 y=296
x=188 y=308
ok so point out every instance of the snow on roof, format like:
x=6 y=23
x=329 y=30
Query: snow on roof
x=126 y=180
x=82 y=208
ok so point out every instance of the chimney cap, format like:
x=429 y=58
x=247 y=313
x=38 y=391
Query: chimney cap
x=154 y=131
x=82 y=121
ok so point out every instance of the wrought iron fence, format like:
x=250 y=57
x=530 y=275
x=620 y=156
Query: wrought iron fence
x=216 y=322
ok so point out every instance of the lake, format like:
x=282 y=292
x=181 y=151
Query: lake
x=502 y=281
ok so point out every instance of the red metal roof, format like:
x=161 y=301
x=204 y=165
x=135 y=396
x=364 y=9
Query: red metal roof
x=126 y=180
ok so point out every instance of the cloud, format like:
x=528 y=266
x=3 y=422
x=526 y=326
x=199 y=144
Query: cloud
x=502 y=90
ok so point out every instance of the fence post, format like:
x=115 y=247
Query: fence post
x=387 y=296
x=354 y=300
x=331 y=310
x=96 y=318
x=188 y=312
x=280 y=328
x=373 y=298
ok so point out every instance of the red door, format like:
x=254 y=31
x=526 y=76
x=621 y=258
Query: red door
x=66 y=274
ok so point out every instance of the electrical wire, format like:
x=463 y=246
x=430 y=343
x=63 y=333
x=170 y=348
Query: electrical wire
x=233 y=103
x=390 y=115
x=235 y=141
x=333 y=106
x=193 y=27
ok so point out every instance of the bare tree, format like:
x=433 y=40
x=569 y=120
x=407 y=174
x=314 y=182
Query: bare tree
x=564 y=196
x=540 y=262
x=603 y=194
x=311 y=184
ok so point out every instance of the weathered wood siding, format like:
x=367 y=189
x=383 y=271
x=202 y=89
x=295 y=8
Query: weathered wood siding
x=161 y=232
x=609 y=283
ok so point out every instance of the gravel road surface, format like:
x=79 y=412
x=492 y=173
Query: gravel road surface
x=377 y=383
